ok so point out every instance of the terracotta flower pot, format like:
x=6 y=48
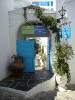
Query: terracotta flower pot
x=17 y=67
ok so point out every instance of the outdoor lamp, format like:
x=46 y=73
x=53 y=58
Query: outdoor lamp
x=62 y=12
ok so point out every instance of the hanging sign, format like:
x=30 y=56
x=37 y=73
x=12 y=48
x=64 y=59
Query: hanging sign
x=66 y=32
x=36 y=29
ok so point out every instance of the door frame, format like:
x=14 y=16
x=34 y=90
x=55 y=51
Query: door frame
x=50 y=68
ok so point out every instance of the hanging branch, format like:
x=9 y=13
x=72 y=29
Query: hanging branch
x=46 y=20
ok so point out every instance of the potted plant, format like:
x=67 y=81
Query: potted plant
x=63 y=53
x=17 y=66
x=18 y=56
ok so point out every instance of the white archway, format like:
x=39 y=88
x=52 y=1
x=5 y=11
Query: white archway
x=16 y=19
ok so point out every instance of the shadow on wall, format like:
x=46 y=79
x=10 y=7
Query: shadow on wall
x=7 y=67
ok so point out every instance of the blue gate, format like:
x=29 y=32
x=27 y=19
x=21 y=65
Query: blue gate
x=26 y=49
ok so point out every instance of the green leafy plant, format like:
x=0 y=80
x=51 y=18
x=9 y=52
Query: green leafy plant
x=43 y=56
x=63 y=53
x=42 y=49
x=46 y=20
x=39 y=48
x=18 y=56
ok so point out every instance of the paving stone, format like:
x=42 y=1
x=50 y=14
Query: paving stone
x=22 y=87
x=27 y=79
x=2 y=84
x=22 y=80
x=34 y=81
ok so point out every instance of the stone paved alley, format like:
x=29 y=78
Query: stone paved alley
x=69 y=94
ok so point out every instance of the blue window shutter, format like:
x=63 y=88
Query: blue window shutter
x=43 y=4
x=47 y=3
x=51 y=8
x=36 y=3
x=51 y=3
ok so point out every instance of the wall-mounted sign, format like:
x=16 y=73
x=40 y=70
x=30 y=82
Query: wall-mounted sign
x=39 y=29
x=27 y=29
x=66 y=32
x=36 y=29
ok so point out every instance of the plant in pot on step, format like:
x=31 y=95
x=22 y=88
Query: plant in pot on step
x=18 y=56
x=17 y=66
x=63 y=53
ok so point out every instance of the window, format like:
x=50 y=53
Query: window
x=36 y=3
x=43 y=4
x=50 y=8
x=50 y=3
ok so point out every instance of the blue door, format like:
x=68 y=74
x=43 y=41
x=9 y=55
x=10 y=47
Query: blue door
x=26 y=49
x=50 y=69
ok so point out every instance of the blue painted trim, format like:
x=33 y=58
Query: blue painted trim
x=50 y=68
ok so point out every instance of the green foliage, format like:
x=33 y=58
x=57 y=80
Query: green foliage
x=46 y=20
x=19 y=56
x=42 y=49
x=35 y=44
x=57 y=37
x=63 y=53
x=43 y=56
x=39 y=48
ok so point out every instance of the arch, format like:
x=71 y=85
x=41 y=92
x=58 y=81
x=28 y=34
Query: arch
x=16 y=20
x=21 y=36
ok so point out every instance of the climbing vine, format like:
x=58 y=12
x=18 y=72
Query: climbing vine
x=46 y=20
x=63 y=52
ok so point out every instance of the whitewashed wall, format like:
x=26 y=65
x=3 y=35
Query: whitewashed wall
x=5 y=6
x=69 y=5
x=16 y=19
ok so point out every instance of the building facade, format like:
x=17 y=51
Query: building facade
x=7 y=29
x=51 y=4
x=47 y=4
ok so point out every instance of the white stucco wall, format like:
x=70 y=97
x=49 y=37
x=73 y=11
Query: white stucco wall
x=70 y=8
x=16 y=19
x=21 y=3
x=5 y=6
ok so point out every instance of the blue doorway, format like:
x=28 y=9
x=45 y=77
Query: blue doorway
x=26 y=49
